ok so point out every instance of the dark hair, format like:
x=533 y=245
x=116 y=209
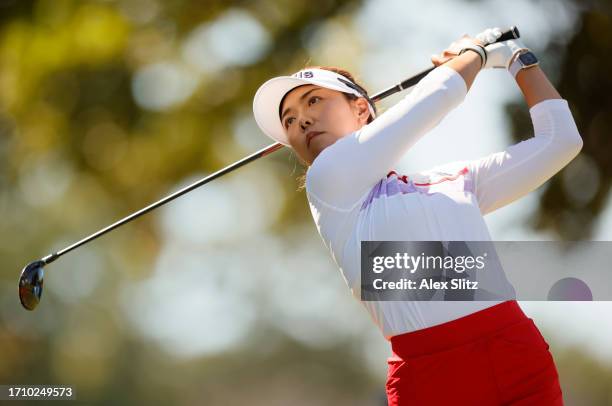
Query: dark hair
x=349 y=96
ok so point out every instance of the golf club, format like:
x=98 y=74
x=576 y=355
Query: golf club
x=32 y=275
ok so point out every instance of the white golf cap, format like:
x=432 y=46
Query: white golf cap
x=266 y=104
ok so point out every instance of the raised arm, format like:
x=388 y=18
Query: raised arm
x=505 y=176
x=346 y=170
x=535 y=86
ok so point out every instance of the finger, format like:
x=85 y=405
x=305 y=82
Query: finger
x=489 y=35
x=492 y=35
x=483 y=36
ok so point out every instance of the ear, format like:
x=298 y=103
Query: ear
x=362 y=109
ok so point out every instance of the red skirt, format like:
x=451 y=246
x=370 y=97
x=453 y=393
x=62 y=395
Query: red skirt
x=496 y=356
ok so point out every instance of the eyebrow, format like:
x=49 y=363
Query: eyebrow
x=302 y=97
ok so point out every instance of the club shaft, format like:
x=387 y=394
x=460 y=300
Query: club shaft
x=511 y=33
x=262 y=152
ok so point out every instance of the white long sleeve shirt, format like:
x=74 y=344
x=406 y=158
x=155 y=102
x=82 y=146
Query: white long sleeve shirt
x=354 y=194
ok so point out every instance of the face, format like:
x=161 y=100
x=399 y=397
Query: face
x=315 y=117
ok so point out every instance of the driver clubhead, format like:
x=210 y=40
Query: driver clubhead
x=31 y=284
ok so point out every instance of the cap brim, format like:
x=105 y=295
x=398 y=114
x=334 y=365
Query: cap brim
x=267 y=101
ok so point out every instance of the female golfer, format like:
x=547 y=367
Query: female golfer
x=443 y=353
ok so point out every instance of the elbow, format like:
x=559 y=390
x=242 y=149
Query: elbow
x=576 y=144
x=579 y=142
x=574 y=134
x=554 y=118
x=572 y=147
x=568 y=132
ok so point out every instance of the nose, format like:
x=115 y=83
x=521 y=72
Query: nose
x=305 y=123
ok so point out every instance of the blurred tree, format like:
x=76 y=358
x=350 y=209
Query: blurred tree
x=67 y=73
x=572 y=202
x=66 y=81
x=585 y=380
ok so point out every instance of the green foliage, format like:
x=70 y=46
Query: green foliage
x=78 y=150
x=573 y=201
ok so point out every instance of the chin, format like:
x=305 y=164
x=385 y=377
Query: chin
x=318 y=145
x=315 y=150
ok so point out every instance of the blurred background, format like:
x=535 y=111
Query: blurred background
x=227 y=295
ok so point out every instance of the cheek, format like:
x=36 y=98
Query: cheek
x=341 y=120
x=296 y=140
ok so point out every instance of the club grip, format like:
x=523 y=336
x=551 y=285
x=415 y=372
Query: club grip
x=512 y=33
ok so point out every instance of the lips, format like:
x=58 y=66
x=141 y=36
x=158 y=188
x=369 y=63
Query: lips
x=312 y=134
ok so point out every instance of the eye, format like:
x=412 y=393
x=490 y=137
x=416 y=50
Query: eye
x=288 y=121
x=311 y=100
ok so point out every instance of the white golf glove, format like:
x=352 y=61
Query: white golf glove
x=490 y=35
x=499 y=54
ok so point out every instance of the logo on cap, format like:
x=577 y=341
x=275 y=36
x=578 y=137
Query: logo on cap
x=304 y=74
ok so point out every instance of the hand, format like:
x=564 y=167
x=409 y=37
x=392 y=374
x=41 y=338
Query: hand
x=454 y=49
x=499 y=54
x=490 y=35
